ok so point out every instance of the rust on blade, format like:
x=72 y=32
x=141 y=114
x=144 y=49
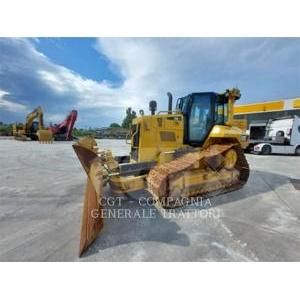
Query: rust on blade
x=85 y=156
x=92 y=222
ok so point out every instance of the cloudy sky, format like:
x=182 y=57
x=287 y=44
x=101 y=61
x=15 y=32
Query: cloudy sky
x=101 y=77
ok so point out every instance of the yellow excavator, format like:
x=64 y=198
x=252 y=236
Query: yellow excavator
x=32 y=129
x=194 y=150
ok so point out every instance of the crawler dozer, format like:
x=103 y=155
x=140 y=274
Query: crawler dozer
x=194 y=150
x=32 y=129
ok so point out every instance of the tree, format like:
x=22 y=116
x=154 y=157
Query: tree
x=5 y=129
x=114 y=125
x=130 y=115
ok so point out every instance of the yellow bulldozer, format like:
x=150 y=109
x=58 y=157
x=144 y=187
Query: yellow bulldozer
x=32 y=129
x=191 y=151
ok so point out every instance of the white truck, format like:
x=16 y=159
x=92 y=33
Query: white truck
x=282 y=136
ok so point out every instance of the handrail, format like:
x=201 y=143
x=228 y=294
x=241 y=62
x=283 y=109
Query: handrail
x=167 y=112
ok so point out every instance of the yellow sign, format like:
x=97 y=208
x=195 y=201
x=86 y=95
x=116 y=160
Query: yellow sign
x=296 y=103
x=259 y=107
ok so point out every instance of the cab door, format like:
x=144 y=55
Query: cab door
x=200 y=118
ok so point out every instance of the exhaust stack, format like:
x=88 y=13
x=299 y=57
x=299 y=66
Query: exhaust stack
x=170 y=103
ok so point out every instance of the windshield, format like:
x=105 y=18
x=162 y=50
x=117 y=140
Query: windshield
x=201 y=117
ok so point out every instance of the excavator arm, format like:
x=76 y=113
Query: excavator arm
x=63 y=131
x=36 y=113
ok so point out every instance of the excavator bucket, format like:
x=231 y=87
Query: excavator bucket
x=92 y=221
x=45 y=136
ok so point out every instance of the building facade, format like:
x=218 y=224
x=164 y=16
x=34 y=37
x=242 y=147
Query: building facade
x=261 y=112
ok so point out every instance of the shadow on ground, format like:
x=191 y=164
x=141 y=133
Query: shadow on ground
x=145 y=223
x=118 y=231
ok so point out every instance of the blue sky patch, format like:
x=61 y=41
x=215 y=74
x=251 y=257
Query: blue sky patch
x=101 y=77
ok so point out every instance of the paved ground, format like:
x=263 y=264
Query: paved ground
x=41 y=194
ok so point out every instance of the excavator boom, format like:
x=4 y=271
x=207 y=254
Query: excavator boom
x=63 y=130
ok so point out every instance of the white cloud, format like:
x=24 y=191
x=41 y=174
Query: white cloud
x=262 y=68
x=87 y=92
x=9 y=105
x=149 y=67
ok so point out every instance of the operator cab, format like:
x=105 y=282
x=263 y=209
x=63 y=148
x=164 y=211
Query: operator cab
x=201 y=112
x=34 y=127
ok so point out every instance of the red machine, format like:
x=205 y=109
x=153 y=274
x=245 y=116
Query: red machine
x=63 y=131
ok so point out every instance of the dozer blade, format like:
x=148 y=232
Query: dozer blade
x=44 y=136
x=92 y=221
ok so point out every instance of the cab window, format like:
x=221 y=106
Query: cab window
x=201 y=118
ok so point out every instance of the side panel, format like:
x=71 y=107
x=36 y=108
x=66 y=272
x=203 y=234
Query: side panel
x=159 y=133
